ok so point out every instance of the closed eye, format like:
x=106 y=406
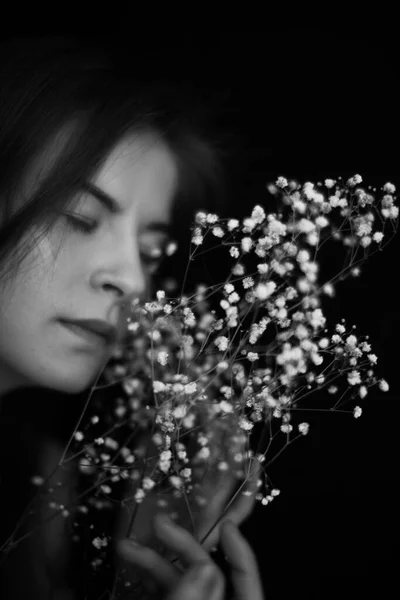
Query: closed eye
x=82 y=225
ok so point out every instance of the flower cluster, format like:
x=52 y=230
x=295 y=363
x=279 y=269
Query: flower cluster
x=215 y=361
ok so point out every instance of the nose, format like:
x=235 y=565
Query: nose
x=125 y=277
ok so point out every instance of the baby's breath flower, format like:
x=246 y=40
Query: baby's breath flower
x=265 y=290
x=329 y=183
x=171 y=248
x=354 y=378
x=201 y=218
x=357 y=412
x=162 y=358
x=389 y=188
x=378 y=237
x=304 y=428
x=248 y=282
x=158 y=386
x=99 y=542
x=234 y=252
x=233 y=224
x=286 y=428
x=238 y=270
x=383 y=385
x=248 y=225
x=221 y=343
x=190 y=388
x=263 y=268
x=218 y=232
x=362 y=392
x=246 y=244
x=197 y=238
x=353 y=181
x=281 y=182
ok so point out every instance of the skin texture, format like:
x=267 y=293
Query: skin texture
x=83 y=276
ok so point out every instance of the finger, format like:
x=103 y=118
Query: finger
x=146 y=559
x=243 y=504
x=245 y=575
x=240 y=509
x=180 y=541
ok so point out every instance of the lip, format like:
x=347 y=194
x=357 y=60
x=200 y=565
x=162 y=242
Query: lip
x=93 y=337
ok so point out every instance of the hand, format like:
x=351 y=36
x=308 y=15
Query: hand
x=202 y=579
x=217 y=488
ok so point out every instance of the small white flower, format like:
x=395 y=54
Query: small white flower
x=99 y=542
x=162 y=358
x=238 y=270
x=252 y=356
x=160 y=295
x=197 y=238
x=304 y=428
x=383 y=385
x=248 y=225
x=218 y=232
x=354 y=378
x=323 y=343
x=357 y=412
x=171 y=248
x=79 y=436
x=329 y=183
x=340 y=328
x=362 y=392
x=221 y=343
x=286 y=428
x=201 y=218
x=265 y=290
x=328 y=289
x=158 y=386
x=246 y=244
x=233 y=224
x=305 y=226
x=248 y=282
x=378 y=237
x=258 y=214
x=354 y=180
x=234 y=252
x=262 y=268
x=389 y=188
x=281 y=182
x=190 y=388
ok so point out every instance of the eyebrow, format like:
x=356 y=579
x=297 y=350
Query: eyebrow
x=116 y=209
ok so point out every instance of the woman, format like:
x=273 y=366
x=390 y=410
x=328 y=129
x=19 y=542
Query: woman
x=97 y=170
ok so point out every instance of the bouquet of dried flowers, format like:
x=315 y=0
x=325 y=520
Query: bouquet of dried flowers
x=199 y=370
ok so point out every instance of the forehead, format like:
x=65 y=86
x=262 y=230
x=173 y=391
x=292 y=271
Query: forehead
x=141 y=174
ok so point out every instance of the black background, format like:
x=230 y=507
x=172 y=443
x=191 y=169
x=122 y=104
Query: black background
x=311 y=103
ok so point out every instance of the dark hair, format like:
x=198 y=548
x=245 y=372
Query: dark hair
x=49 y=82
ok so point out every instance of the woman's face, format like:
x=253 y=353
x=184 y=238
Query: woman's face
x=84 y=276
